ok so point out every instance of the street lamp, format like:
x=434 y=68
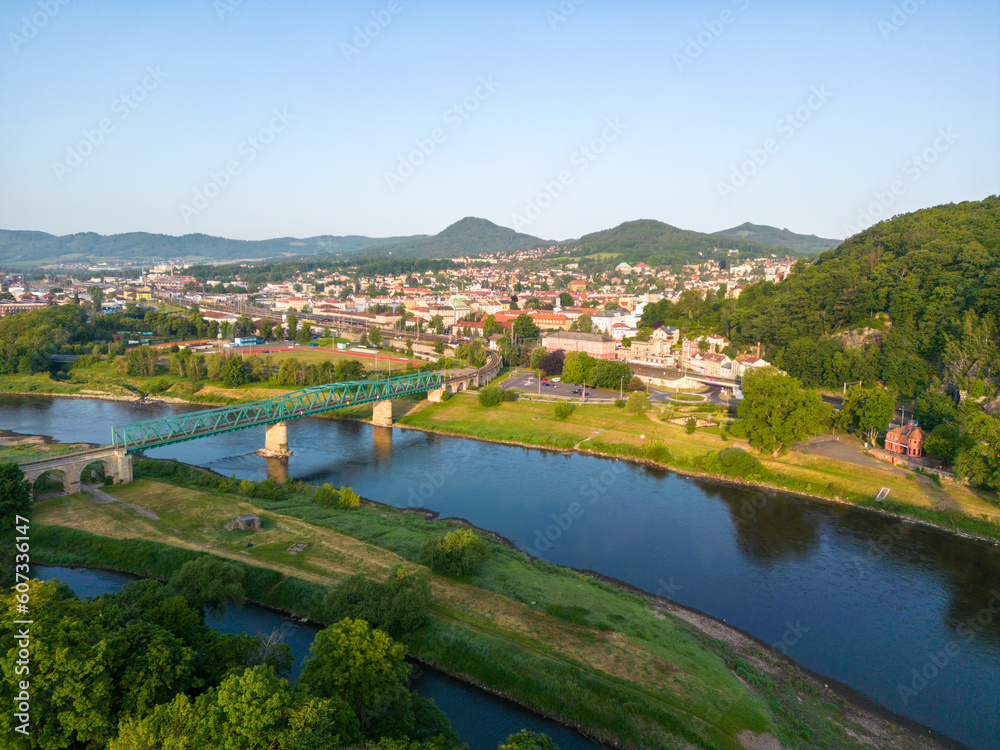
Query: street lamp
x=621 y=388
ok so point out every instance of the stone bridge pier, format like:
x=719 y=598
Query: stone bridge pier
x=382 y=414
x=275 y=441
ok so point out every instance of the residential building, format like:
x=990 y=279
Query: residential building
x=907 y=440
x=595 y=344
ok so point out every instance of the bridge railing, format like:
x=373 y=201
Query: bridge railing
x=178 y=428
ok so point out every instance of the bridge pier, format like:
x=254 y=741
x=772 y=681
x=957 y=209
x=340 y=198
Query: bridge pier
x=382 y=414
x=435 y=395
x=275 y=441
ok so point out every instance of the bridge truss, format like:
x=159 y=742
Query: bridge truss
x=153 y=433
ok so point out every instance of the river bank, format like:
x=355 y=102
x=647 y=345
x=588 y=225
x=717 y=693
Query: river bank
x=509 y=646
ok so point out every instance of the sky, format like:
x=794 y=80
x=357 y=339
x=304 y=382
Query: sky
x=254 y=119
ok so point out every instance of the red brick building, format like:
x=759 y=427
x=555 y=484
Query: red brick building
x=907 y=440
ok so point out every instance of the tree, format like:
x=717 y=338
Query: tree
x=637 y=403
x=932 y=408
x=491 y=326
x=525 y=328
x=565 y=299
x=375 y=337
x=398 y=605
x=635 y=384
x=777 y=412
x=359 y=665
x=867 y=410
x=536 y=356
x=609 y=373
x=458 y=553
x=552 y=362
x=946 y=441
x=577 y=366
x=563 y=409
x=979 y=461
x=209 y=582
x=15 y=494
x=293 y=324
x=234 y=373
x=437 y=323
x=491 y=395
x=583 y=324
x=690 y=425
x=96 y=298
x=304 y=334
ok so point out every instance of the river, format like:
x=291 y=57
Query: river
x=481 y=719
x=909 y=616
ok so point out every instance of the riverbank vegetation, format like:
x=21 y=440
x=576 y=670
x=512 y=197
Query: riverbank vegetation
x=560 y=642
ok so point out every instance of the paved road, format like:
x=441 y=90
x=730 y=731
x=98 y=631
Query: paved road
x=526 y=382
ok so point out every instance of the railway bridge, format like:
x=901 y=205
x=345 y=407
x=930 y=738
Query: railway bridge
x=273 y=413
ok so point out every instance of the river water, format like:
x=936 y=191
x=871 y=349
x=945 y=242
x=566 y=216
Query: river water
x=906 y=615
x=481 y=719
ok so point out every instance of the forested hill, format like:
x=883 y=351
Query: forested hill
x=19 y=249
x=659 y=244
x=469 y=236
x=808 y=244
x=921 y=290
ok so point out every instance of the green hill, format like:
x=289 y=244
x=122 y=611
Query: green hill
x=20 y=249
x=907 y=300
x=809 y=244
x=469 y=236
x=659 y=244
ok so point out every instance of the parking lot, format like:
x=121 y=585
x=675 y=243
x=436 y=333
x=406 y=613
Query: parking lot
x=527 y=383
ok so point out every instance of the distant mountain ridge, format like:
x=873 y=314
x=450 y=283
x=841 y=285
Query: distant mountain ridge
x=468 y=236
x=647 y=240
x=24 y=248
x=658 y=244
x=807 y=243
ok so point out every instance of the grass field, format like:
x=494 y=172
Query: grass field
x=551 y=638
x=952 y=505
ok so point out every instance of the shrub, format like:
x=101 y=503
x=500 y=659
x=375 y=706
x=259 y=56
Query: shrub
x=620 y=403
x=158 y=386
x=326 y=495
x=491 y=395
x=458 y=553
x=734 y=462
x=397 y=605
x=636 y=384
x=446 y=396
x=690 y=426
x=510 y=395
x=348 y=498
x=563 y=410
x=738 y=429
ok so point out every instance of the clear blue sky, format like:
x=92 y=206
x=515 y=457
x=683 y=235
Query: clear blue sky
x=795 y=114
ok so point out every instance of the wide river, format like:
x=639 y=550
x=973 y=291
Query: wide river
x=906 y=615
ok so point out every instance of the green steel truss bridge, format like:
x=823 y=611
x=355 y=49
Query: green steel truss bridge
x=153 y=433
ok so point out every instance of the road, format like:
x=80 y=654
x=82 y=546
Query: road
x=526 y=382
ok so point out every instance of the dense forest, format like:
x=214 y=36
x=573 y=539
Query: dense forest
x=908 y=300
